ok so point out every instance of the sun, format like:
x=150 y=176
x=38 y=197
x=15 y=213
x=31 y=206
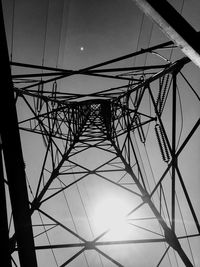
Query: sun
x=110 y=214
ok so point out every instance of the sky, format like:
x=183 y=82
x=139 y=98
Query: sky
x=72 y=35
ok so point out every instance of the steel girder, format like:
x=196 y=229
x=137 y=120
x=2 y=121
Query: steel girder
x=174 y=26
x=14 y=165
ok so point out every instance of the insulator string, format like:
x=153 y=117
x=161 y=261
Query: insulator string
x=162 y=143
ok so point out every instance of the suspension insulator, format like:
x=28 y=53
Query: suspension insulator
x=136 y=99
x=130 y=84
x=54 y=91
x=162 y=143
x=140 y=129
x=39 y=99
x=163 y=86
x=159 y=92
x=138 y=95
x=163 y=96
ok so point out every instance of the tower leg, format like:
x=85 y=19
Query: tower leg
x=14 y=163
x=5 y=254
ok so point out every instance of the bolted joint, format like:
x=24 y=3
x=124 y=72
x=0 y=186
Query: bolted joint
x=92 y=172
x=172 y=239
x=55 y=172
x=89 y=245
x=128 y=169
x=145 y=198
x=129 y=127
x=12 y=243
x=34 y=205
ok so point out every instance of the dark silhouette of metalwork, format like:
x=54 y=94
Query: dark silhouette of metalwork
x=174 y=26
x=113 y=121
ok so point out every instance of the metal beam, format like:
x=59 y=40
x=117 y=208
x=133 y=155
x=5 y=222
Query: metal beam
x=174 y=26
x=104 y=63
x=14 y=163
x=169 y=234
x=4 y=233
x=142 y=68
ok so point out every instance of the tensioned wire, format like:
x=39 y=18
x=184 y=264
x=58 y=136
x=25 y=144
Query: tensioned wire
x=60 y=33
x=71 y=214
x=42 y=222
x=65 y=13
x=72 y=217
x=87 y=216
x=181 y=11
x=12 y=31
x=150 y=112
x=45 y=32
x=57 y=61
x=44 y=53
x=85 y=211
x=48 y=239
x=134 y=59
x=139 y=36
x=43 y=59
x=84 y=208
x=13 y=261
x=137 y=47
x=179 y=138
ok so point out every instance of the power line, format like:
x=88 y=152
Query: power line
x=12 y=31
x=45 y=32
x=139 y=36
x=73 y=220
x=60 y=32
x=181 y=11
x=48 y=239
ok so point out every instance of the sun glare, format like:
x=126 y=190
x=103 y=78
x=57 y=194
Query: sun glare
x=110 y=213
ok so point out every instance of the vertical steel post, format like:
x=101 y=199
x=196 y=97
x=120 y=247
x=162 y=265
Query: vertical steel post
x=13 y=157
x=4 y=244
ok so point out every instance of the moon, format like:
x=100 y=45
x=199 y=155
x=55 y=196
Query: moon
x=81 y=48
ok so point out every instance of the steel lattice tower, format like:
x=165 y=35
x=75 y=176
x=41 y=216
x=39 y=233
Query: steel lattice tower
x=100 y=138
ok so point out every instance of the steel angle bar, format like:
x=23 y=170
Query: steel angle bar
x=174 y=26
x=14 y=163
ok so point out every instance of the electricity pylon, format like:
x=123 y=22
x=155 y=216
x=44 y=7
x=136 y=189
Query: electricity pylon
x=80 y=139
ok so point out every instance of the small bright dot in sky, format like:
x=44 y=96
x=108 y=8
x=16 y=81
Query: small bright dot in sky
x=82 y=48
